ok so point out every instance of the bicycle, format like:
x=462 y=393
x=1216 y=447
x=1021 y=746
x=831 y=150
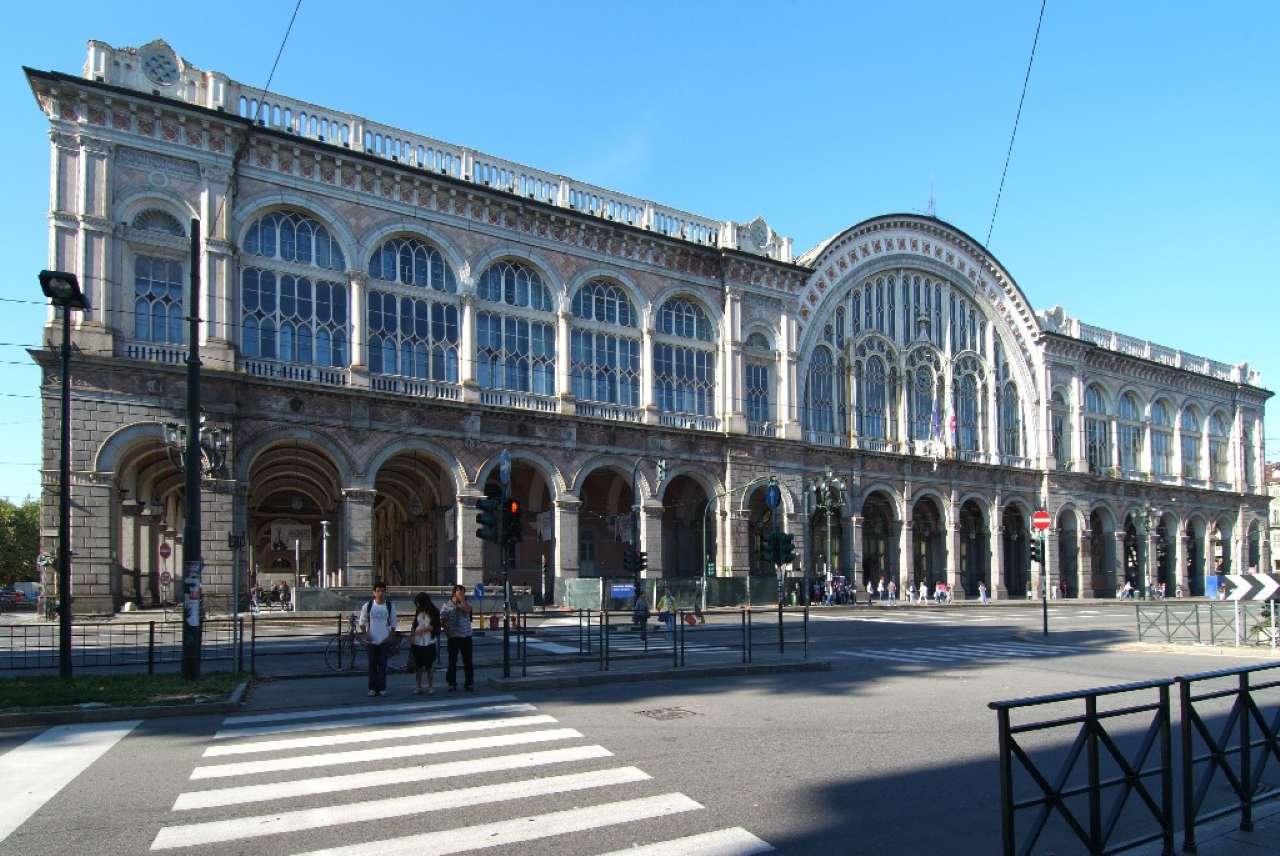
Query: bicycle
x=345 y=647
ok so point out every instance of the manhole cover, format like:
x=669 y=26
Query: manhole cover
x=666 y=713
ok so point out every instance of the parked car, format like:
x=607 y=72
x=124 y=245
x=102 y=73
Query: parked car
x=30 y=590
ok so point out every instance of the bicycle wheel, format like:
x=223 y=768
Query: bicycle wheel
x=333 y=653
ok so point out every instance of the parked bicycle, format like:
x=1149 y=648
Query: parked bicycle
x=344 y=648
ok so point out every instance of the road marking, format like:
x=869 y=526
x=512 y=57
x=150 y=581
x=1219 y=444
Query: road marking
x=214 y=832
x=381 y=778
x=380 y=734
x=552 y=647
x=393 y=719
x=724 y=842
x=319 y=713
x=531 y=828
x=276 y=765
x=33 y=773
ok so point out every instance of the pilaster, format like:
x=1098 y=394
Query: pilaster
x=1084 y=563
x=357 y=525
x=566 y=546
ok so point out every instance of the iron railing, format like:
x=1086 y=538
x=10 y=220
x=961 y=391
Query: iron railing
x=1217 y=623
x=151 y=646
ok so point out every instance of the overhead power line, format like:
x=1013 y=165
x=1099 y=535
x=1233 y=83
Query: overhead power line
x=1009 y=154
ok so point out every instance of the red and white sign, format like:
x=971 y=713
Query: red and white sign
x=165 y=550
x=1041 y=520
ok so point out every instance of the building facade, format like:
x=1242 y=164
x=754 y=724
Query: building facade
x=382 y=313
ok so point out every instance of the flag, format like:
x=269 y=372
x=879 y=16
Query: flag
x=935 y=420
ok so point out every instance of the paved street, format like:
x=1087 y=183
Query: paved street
x=893 y=751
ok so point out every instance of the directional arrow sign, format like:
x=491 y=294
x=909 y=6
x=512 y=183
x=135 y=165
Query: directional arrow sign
x=1238 y=587
x=1252 y=587
x=1269 y=589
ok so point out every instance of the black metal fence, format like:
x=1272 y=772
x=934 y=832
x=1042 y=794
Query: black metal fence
x=1214 y=623
x=153 y=646
x=1113 y=780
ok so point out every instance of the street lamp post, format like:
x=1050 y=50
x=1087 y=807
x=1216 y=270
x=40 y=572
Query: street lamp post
x=828 y=495
x=63 y=291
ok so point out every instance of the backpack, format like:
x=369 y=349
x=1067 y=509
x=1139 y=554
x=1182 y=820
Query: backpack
x=391 y=613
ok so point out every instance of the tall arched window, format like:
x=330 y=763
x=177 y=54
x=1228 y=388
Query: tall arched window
x=292 y=308
x=605 y=346
x=515 y=347
x=876 y=379
x=758 y=356
x=923 y=377
x=158 y=279
x=1129 y=434
x=1060 y=420
x=684 y=359
x=820 y=397
x=1161 y=440
x=1097 y=431
x=967 y=374
x=1218 y=433
x=1190 y=424
x=408 y=334
x=1250 y=453
x=1009 y=405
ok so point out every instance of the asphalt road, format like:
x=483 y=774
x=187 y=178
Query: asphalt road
x=893 y=751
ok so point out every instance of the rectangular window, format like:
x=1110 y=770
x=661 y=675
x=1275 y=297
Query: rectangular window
x=1218 y=460
x=1191 y=456
x=1130 y=437
x=1162 y=453
x=757 y=392
x=1098 y=442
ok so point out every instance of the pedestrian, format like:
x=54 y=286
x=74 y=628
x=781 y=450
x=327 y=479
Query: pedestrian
x=910 y=591
x=893 y=592
x=456 y=620
x=425 y=635
x=667 y=610
x=378 y=624
x=983 y=594
x=640 y=616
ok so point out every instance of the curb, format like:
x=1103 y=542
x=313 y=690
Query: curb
x=540 y=682
x=115 y=714
x=1194 y=648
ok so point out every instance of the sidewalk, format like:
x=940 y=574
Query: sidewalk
x=1224 y=838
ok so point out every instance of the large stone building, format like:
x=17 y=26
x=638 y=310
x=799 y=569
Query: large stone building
x=382 y=313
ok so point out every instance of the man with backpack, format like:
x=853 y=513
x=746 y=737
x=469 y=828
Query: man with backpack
x=378 y=623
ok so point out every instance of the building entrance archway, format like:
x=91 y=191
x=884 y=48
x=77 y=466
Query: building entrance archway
x=879 y=553
x=687 y=548
x=414 y=504
x=1069 y=553
x=604 y=523
x=975 y=549
x=294 y=490
x=928 y=542
x=535 y=551
x=1016 y=551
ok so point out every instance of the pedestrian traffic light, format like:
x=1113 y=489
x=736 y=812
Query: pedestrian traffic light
x=1037 y=551
x=786 y=548
x=512 y=521
x=634 y=561
x=768 y=548
x=642 y=561
x=489 y=509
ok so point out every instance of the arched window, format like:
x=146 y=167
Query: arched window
x=605 y=346
x=408 y=335
x=923 y=377
x=1097 y=432
x=157 y=300
x=758 y=356
x=966 y=406
x=1010 y=420
x=1250 y=453
x=684 y=361
x=1218 y=433
x=875 y=306
x=1060 y=419
x=161 y=222
x=408 y=261
x=1190 y=424
x=290 y=311
x=1161 y=440
x=820 y=397
x=1129 y=434
x=515 y=351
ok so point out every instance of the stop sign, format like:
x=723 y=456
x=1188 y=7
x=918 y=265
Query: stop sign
x=1041 y=520
x=165 y=551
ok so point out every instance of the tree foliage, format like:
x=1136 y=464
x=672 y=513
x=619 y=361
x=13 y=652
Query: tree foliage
x=19 y=541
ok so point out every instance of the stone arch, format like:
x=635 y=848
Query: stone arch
x=130 y=206
x=713 y=310
x=769 y=332
x=510 y=251
x=112 y=449
x=550 y=472
x=1067 y=527
x=245 y=457
x=939 y=499
x=709 y=481
x=894 y=496
x=618 y=464
x=251 y=208
x=421 y=231
x=614 y=277
x=447 y=462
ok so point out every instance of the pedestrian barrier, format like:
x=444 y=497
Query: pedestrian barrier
x=1217 y=623
x=1222 y=730
x=152 y=646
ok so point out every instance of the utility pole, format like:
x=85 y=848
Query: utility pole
x=193 y=561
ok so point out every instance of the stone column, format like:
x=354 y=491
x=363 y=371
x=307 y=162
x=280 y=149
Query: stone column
x=95 y=182
x=1152 y=565
x=217 y=514
x=647 y=401
x=907 y=553
x=357 y=528
x=954 y=581
x=1118 y=570
x=92 y=562
x=358 y=283
x=1084 y=562
x=469 y=566
x=467 y=351
x=1052 y=574
x=738 y=543
x=731 y=352
x=651 y=536
x=563 y=354
x=566 y=546
x=789 y=427
x=844 y=560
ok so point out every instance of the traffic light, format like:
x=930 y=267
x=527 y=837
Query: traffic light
x=642 y=561
x=1037 y=551
x=512 y=521
x=768 y=548
x=786 y=548
x=489 y=509
x=634 y=561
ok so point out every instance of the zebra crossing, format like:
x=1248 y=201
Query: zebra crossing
x=964 y=652
x=473 y=774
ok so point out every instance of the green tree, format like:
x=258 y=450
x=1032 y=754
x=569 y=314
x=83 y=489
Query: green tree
x=19 y=540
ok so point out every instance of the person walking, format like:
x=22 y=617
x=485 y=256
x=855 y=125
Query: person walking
x=456 y=620
x=378 y=624
x=667 y=611
x=983 y=594
x=893 y=592
x=425 y=635
x=640 y=616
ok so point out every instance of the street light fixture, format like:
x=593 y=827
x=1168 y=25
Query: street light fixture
x=213 y=442
x=63 y=291
x=828 y=495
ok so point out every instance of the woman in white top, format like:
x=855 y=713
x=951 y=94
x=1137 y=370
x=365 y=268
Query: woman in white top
x=425 y=633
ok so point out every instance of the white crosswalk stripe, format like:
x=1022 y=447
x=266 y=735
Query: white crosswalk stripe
x=964 y=651
x=510 y=740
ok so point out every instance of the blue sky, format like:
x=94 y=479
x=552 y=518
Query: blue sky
x=1142 y=194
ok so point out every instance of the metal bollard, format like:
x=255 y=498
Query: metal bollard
x=253 y=644
x=744 y=635
x=782 y=637
x=806 y=632
x=675 y=656
x=239 y=643
x=151 y=648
